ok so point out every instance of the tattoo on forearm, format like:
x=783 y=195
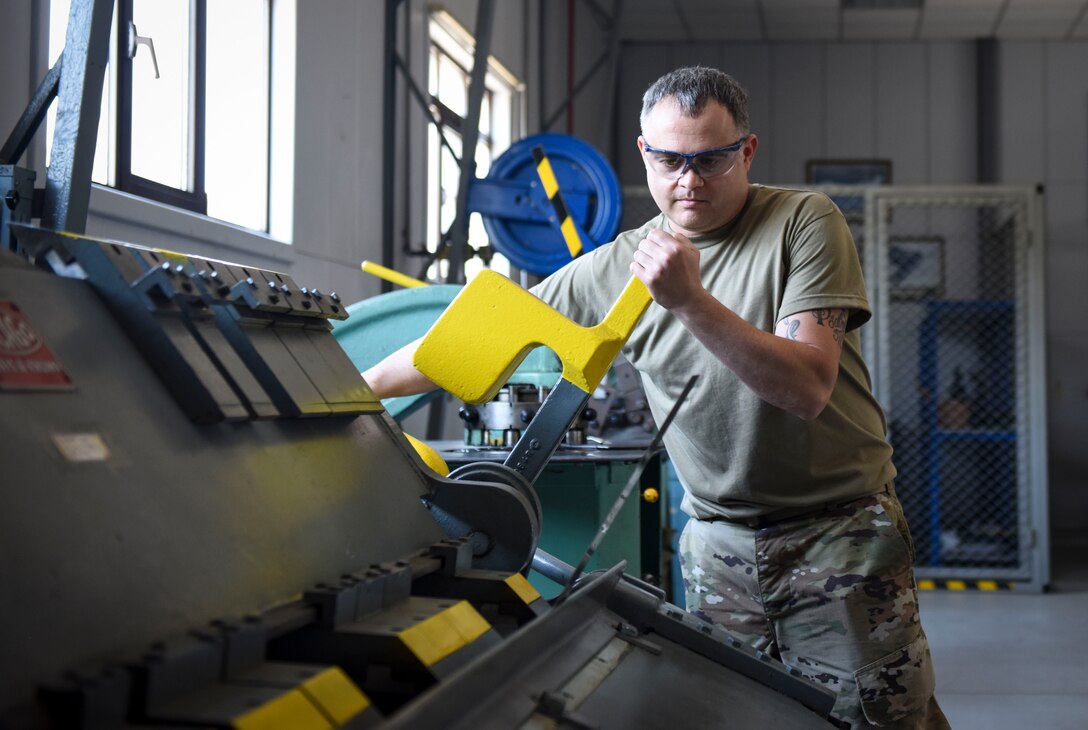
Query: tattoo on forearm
x=833 y=318
x=792 y=325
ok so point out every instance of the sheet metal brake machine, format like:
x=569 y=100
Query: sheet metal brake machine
x=207 y=519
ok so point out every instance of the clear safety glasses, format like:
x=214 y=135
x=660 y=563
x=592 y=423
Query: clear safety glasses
x=707 y=163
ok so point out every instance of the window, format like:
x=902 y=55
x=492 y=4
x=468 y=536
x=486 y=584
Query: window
x=450 y=67
x=188 y=101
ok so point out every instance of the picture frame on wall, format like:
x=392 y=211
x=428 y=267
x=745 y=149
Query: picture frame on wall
x=916 y=267
x=849 y=172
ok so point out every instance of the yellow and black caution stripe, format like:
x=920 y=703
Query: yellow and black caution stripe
x=965 y=585
x=435 y=638
x=326 y=700
x=522 y=588
x=551 y=186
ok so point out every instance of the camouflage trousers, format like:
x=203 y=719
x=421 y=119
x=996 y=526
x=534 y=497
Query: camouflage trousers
x=831 y=594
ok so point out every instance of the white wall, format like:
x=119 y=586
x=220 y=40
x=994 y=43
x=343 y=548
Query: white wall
x=1043 y=136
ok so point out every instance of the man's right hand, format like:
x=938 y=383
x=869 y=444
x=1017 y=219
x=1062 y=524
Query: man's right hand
x=668 y=264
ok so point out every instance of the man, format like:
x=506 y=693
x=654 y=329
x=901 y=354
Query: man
x=798 y=543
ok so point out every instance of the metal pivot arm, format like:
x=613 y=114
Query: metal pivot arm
x=83 y=65
x=478 y=342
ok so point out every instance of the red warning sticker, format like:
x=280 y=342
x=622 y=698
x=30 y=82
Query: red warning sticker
x=25 y=362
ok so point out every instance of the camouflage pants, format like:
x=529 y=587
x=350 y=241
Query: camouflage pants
x=831 y=594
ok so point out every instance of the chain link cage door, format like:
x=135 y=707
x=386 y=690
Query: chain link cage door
x=954 y=314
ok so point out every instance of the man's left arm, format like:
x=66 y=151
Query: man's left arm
x=794 y=368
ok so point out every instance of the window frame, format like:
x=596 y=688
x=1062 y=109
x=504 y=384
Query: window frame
x=196 y=199
x=456 y=44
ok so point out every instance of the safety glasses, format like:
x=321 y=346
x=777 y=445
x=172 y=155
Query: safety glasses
x=707 y=163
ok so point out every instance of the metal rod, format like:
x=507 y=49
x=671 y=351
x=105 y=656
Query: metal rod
x=552 y=567
x=598 y=64
x=636 y=475
x=417 y=94
x=614 y=75
x=389 y=136
x=485 y=12
x=32 y=118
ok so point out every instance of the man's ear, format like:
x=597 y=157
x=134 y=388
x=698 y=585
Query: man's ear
x=641 y=143
x=749 y=150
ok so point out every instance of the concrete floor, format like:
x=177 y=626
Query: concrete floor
x=1011 y=660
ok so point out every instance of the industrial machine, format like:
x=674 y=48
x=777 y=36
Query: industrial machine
x=208 y=520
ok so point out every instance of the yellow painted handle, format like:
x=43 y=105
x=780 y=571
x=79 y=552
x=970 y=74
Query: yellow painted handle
x=492 y=324
x=390 y=275
x=430 y=457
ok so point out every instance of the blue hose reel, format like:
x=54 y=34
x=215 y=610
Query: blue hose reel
x=519 y=216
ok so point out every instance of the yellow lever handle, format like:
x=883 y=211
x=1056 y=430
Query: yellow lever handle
x=492 y=324
x=395 y=277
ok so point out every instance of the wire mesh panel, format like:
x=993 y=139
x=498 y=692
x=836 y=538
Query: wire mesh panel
x=952 y=279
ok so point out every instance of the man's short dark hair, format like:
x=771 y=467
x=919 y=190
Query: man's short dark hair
x=693 y=87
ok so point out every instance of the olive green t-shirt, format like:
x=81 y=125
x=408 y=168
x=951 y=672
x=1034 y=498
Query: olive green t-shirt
x=787 y=251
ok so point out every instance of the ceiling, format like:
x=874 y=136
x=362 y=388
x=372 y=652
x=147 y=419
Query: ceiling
x=800 y=20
